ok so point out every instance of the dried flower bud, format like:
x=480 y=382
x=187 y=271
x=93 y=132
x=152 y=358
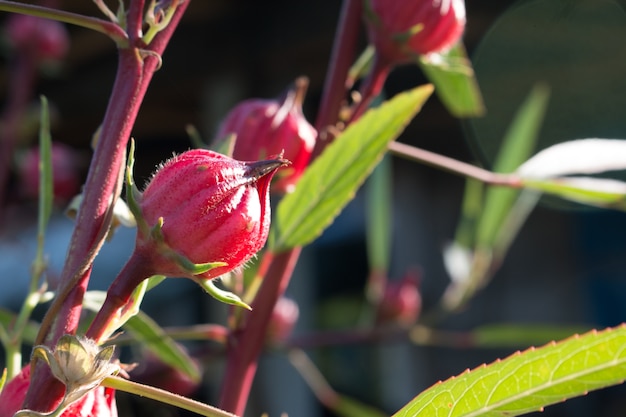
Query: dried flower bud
x=65 y=172
x=213 y=209
x=44 y=39
x=401 y=30
x=98 y=402
x=401 y=302
x=283 y=319
x=265 y=128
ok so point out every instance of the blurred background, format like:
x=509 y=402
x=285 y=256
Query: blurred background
x=566 y=268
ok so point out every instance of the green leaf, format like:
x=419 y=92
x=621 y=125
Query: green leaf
x=582 y=156
x=8 y=318
x=521 y=334
x=3 y=379
x=378 y=209
x=148 y=332
x=455 y=82
x=600 y=192
x=528 y=381
x=517 y=146
x=334 y=177
x=45 y=170
x=349 y=407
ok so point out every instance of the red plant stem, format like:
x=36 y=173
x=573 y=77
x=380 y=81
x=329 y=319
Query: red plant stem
x=341 y=59
x=136 y=270
x=453 y=166
x=372 y=86
x=246 y=343
x=132 y=79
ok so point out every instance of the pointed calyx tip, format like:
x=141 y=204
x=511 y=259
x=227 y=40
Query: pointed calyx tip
x=259 y=169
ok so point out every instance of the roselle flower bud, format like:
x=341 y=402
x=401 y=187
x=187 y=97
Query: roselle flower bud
x=43 y=39
x=265 y=128
x=213 y=209
x=154 y=372
x=401 y=30
x=282 y=321
x=65 y=172
x=99 y=402
x=401 y=302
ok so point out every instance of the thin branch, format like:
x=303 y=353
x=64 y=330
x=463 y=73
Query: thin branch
x=454 y=166
x=110 y=29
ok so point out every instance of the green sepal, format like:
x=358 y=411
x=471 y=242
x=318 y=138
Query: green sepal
x=196 y=269
x=133 y=195
x=3 y=379
x=219 y=294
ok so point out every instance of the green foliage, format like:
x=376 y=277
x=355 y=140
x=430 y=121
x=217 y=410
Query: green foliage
x=349 y=407
x=148 y=332
x=45 y=169
x=517 y=146
x=379 y=216
x=530 y=380
x=455 y=83
x=333 y=179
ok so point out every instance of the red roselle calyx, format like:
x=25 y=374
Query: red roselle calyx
x=283 y=319
x=264 y=128
x=44 y=39
x=213 y=209
x=401 y=302
x=98 y=402
x=402 y=30
x=202 y=215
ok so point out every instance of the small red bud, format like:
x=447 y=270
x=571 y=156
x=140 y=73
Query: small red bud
x=214 y=209
x=265 y=128
x=283 y=319
x=154 y=372
x=99 y=402
x=402 y=301
x=46 y=40
x=65 y=172
x=401 y=30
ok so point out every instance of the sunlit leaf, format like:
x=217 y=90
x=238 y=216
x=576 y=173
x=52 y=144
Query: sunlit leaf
x=335 y=176
x=528 y=381
x=583 y=156
x=601 y=192
x=455 y=82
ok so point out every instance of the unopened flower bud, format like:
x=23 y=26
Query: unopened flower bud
x=65 y=172
x=44 y=39
x=266 y=128
x=98 y=402
x=206 y=208
x=154 y=372
x=283 y=319
x=401 y=30
x=401 y=302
